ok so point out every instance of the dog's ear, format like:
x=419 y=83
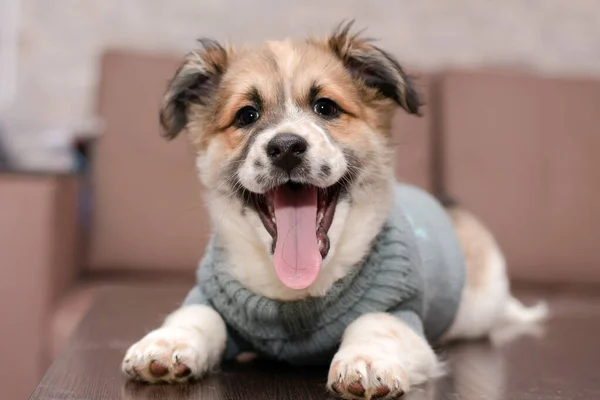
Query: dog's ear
x=194 y=83
x=374 y=67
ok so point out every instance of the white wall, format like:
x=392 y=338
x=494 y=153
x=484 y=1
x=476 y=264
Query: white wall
x=10 y=14
x=62 y=39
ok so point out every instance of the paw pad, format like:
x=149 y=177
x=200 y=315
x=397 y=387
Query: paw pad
x=356 y=389
x=364 y=377
x=166 y=355
x=383 y=391
x=182 y=370
x=157 y=369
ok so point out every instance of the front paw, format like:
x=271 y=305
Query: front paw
x=361 y=373
x=168 y=354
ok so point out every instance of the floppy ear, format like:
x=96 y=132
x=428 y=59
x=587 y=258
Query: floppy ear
x=376 y=68
x=194 y=83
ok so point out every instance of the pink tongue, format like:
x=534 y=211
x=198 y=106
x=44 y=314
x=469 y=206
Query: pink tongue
x=297 y=256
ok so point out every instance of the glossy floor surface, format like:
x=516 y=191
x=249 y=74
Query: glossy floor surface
x=559 y=361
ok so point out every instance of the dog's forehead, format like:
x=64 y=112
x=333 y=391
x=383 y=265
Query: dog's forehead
x=288 y=55
x=282 y=62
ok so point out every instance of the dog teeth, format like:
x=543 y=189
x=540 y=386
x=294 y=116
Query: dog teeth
x=271 y=207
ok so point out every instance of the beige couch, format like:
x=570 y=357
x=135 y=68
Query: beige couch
x=37 y=253
x=519 y=150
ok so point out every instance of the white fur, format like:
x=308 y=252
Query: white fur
x=481 y=306
x=489 y=307
x=193 y=336
x=377 y=351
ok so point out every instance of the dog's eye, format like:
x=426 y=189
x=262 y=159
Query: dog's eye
x=246 y=116
x=326 y=108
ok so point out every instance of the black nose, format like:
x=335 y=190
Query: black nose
x=286 y=150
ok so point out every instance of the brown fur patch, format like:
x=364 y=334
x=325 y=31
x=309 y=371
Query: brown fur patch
x=477 y=244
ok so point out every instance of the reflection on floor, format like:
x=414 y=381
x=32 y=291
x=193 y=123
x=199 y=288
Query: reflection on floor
x=557 y=360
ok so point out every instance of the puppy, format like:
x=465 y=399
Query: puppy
x=318 y=254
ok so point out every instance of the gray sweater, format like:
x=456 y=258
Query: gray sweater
x=415 y=270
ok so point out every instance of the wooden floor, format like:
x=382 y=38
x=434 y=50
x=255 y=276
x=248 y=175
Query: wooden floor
x=562 y=361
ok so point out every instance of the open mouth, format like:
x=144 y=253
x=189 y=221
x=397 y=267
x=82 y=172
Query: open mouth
x=298 y=217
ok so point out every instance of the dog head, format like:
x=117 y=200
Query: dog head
x=293 y=144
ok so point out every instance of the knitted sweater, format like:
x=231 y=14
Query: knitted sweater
x=415 y=270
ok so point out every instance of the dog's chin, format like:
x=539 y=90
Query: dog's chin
x=298 y=217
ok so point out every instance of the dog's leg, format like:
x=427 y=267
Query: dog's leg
x=487 y=305
x=190 y=343
x=380 y=358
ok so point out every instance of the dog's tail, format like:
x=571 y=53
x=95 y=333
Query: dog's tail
x=518 y=320
x=517 y=313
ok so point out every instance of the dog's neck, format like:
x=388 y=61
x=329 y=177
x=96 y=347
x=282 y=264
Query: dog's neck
x=358 y=219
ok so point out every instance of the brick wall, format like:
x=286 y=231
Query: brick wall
x=62 y=40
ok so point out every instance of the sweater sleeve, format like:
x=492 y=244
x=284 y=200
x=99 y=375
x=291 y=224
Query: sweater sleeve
x=196 y=297
x=411 y=319
x=409 y=312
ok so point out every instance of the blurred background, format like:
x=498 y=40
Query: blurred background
x=91 y=196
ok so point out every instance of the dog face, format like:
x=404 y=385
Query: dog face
x=295 y=135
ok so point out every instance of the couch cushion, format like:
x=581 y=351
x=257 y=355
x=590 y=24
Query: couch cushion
x=413 y=138
x=523 y=152
x=148 y=211
x=148 y=208
x=37 y=263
